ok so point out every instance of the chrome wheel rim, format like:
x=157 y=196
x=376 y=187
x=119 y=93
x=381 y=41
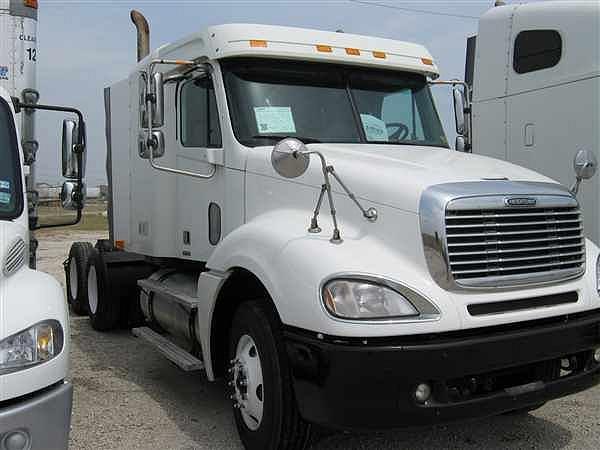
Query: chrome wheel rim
x=93 y=290
x=73 y=277
x=247 y=382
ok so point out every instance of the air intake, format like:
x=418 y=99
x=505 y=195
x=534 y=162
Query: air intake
x=15 y=257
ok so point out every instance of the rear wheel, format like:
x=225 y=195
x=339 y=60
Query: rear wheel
x=76 y=276
x=103 y=306
x=264 y=405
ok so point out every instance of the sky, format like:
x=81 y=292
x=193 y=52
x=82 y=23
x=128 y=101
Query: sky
x=86 y=45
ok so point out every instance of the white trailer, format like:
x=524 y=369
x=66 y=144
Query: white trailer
x=535 y=76
x=35 y=398
x=432 y=289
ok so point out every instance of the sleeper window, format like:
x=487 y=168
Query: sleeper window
x=537 y=50
x=199 y=115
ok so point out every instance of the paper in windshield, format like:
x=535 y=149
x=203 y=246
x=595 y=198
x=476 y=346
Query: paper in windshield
x=274 y=119
x=375 y=129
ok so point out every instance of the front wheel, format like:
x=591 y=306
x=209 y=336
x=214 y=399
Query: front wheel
x=264 y=405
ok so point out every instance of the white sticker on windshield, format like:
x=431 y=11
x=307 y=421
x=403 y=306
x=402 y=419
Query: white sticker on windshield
x=375 y=128
x=4 y=198
x=5 y=185
x=274 y=119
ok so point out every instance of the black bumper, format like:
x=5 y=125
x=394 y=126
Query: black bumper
x=358 y=384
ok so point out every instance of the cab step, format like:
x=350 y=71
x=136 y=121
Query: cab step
x=171 y=294
x=180 y=357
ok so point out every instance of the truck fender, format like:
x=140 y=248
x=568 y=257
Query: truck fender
x=253 y=248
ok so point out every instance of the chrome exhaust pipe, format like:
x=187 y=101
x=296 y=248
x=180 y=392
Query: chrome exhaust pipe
x=143 y=34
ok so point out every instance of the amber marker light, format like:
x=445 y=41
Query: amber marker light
x=258 y=43
x=324 y=48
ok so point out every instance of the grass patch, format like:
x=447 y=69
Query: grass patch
x=94 y=218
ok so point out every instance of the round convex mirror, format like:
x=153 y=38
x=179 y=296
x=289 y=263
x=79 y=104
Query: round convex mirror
x=289 y=158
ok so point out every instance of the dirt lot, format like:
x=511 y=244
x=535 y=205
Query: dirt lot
x=129 y=397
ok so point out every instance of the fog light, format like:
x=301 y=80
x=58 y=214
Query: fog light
x=423 y=392
x=597 y=355
x=16 y=440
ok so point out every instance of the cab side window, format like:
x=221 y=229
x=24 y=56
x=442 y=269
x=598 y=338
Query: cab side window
x=537 y=50
x=199 y=115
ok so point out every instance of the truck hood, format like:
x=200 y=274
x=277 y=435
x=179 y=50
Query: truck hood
x=396 y=175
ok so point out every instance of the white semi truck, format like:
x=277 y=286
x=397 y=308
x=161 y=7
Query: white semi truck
x=35 y=398
x=286 y=214
x=534 y=70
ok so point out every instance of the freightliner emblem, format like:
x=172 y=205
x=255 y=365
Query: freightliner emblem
x=520 y=201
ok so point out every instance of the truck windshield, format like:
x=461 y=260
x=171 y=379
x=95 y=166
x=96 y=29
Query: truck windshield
x=10 y=181
x=316 y=102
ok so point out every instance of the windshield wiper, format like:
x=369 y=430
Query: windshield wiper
x=278 y=137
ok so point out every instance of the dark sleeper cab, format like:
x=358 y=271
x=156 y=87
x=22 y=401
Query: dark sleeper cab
x=372 y=383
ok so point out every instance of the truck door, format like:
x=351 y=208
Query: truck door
x=200 y=201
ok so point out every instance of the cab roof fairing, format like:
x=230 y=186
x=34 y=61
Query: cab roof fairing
x=224 y=41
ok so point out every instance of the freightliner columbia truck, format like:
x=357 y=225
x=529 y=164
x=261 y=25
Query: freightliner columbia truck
x=35 y=398
x=286 y=214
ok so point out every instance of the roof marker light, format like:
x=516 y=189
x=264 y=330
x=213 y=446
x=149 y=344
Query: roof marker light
x=31 y=3
x=427 y=61
x=380 y=55
x=258 y=43
x=353 y=51
x=324 y=48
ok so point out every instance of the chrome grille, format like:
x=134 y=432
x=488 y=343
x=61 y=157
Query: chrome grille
x=15 y=257
x=496 y=244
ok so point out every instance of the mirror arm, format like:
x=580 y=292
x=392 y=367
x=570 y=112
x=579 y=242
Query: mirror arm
x=151 y=142
x=328 y=170
x=575 y=188
x=79 y=149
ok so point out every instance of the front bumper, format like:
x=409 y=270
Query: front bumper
x=43 y=419
x=370 y=384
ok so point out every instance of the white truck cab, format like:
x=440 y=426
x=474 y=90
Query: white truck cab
x=535 y=75
x=35 y=398
x=286 y=213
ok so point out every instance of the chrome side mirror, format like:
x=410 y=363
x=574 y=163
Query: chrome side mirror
x=585 y=165
x=157 y=144
x=72 y=196
x=157 y=91
x=71 y=147
x=460 y=145
x=289 y=158
x=459 y=111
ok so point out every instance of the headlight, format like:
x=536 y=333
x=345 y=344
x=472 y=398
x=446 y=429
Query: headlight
x=36 y=345
x=366 y=299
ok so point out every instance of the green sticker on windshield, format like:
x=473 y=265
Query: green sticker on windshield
x=274 y=119
x=5 y=198
x=375 y=128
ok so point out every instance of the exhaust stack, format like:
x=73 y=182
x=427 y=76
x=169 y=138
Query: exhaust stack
x=143 y=34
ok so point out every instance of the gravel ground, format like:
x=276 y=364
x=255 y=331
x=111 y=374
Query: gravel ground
x=129 y=397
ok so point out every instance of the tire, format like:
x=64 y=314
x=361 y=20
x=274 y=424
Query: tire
x=76 y=276
x=255 y=331
x=104 y=308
